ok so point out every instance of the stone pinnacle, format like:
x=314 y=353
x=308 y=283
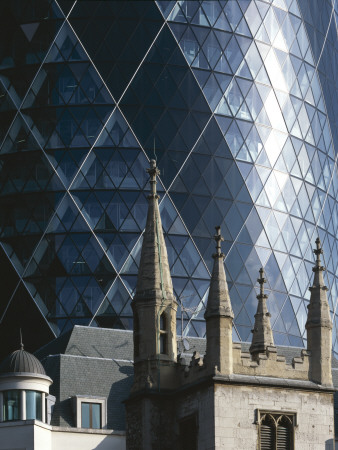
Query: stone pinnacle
x=218 y=238
x=319 y=311
x=153 y=172
x=154 y=279
x=318 y=269
x=262 y=336
x=219 y=303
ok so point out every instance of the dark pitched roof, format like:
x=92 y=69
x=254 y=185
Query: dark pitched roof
x=90 y=361
x=22 y=361
x=88 y=376
x=91 y=342
x=98 y=362
x=118 y=344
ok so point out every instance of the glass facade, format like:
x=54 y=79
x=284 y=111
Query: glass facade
x=11 y=405
x=33 y=405
x=236 y=99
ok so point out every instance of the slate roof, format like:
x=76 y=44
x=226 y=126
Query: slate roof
x=91 y=362
x=91 y=342
x=98 y=362
x=91 y=377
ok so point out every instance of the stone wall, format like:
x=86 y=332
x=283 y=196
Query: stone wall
x=227 y=416
x=150 y=423
x=235 y=415
x=202 y=404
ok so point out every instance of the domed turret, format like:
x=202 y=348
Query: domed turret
x=21 y=361
x=24 y=386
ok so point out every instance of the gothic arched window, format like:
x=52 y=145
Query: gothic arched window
x=276 y=431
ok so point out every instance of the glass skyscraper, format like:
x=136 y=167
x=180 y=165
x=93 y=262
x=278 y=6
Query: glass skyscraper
x=237 y=101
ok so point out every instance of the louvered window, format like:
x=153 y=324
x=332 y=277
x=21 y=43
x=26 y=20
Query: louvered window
x=283 y=438
x=266 y=437
x=276 y=431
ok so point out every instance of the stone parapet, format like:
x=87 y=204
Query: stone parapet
x=268 y=364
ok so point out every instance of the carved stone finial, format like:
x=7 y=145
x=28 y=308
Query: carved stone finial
x=318 y=251
x=261 y=281
x=153 y=172
x=218 y=300
x=262 y=336
x=318 y=269
x=218 y=238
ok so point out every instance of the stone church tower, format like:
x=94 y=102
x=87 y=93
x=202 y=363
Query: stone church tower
x=149 y=416
x=235 y=396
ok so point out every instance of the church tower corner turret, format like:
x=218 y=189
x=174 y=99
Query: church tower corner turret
x=319 y=325
x=154 y=304
x=219 y=316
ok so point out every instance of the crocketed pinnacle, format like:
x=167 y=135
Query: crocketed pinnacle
x=262 y=336
x=319 y=311
x=318 y=269
x=154 y=278
x=219 y=300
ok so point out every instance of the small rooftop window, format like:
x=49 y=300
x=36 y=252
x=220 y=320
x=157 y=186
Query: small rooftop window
x=90 y=412
x=91 y=415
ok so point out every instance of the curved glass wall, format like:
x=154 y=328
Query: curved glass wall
x=238 y=99
x=33 y=405
x=11 y=405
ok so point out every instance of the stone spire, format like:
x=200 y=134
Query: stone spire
x=262 y=336
x=218 y=300
x=154 y=274
x=319 y=325
x=154 y=305
x=219 y=316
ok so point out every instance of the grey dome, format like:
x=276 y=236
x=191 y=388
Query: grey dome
x=21 y=361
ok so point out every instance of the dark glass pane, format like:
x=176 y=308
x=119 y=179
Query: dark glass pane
x=96 y=415
x=85 y=415
x=33 y=405
x=12 y=405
